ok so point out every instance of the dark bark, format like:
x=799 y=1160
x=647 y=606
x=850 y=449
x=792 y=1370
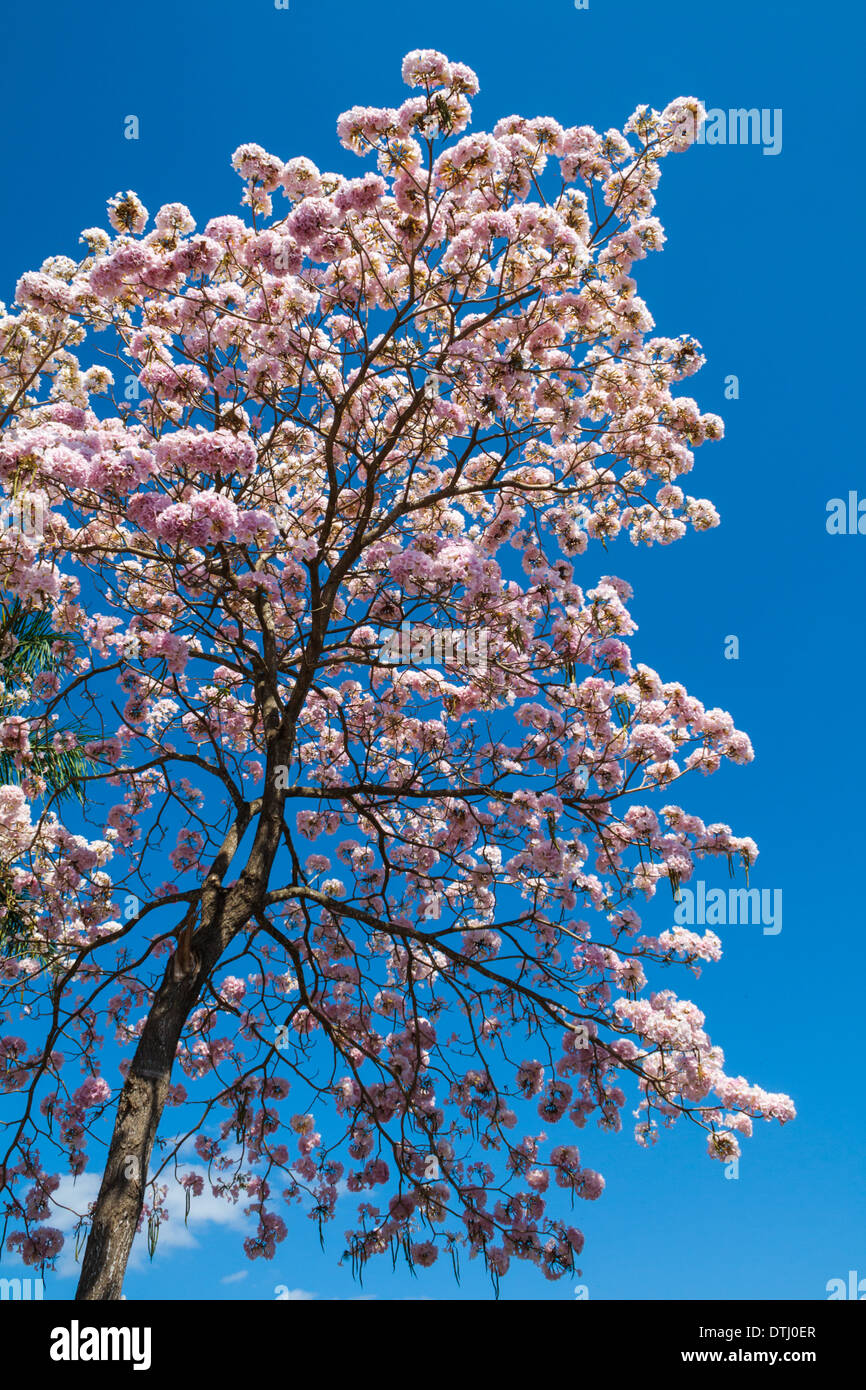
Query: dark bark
x=225 y=912
x=121 y=1195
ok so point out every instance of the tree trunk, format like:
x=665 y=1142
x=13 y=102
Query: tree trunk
x=224 y=912
x=142 y=1100
x=121 y=1195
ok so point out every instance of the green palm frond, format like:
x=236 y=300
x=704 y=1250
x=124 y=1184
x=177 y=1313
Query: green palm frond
x=27 y=640
x=63 y=770
x=34 y=637
x=23 y=658
x=17 y=924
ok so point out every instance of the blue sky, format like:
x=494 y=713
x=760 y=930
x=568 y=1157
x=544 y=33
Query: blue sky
x=749 y=265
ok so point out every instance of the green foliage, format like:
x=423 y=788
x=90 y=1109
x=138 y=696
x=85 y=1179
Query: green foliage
x=26 y=641
x=17 y=926
x=64 y=770
x=26 y=638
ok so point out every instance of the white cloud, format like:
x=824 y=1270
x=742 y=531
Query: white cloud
x=173 y=1234
x=235 y=1278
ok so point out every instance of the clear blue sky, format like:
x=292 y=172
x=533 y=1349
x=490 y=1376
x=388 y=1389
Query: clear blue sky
x=750 y=269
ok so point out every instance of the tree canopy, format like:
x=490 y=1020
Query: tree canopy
x=339 y=919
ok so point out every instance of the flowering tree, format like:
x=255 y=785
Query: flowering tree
x=370 y=921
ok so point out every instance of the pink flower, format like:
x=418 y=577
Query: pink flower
x=127 y=213
x=424 y=67
x=253 y=163
x=92 y=1092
